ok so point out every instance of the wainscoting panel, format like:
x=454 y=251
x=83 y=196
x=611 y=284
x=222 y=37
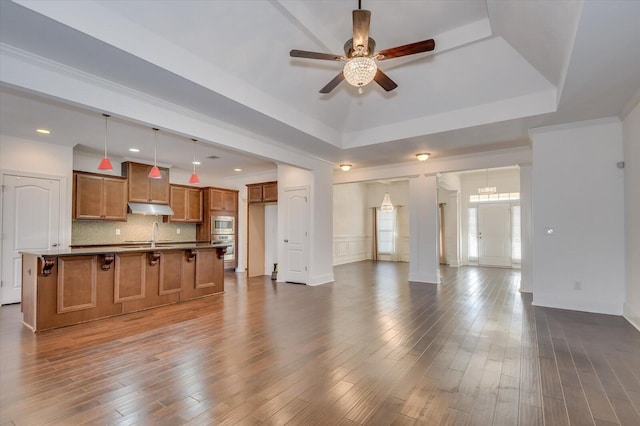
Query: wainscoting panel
x=347 y=249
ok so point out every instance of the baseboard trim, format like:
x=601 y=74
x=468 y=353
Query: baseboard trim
x=597 y=307
x=320 y=279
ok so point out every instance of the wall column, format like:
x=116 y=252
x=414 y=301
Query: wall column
x=526 y=271
x=423 y=224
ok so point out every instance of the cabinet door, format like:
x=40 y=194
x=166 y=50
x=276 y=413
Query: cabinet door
x=178 y=204
x=216 y=201
x=159 y=188
x=194 y=205
x=138 y=175
x=88 y=197
x=230 y=201
x=255 y=193
x=270 y=192
x=115 y=199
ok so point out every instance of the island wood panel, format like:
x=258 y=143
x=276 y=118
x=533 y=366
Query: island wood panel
x=130 y=277
x=189 y=288
x=151 y=286
x=47 y=316
x=77 y=283
x=207 y=273
x=171 y=272
x=31 y=264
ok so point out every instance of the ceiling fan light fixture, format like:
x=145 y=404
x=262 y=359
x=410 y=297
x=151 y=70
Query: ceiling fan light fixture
x=423 y=156
x=360 y=70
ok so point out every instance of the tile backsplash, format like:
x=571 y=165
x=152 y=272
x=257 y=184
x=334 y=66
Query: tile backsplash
x=136 y=228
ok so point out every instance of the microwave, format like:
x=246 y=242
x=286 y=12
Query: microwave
x=222 y=225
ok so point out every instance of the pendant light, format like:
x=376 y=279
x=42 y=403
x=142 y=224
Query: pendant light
x=487 y=189
x=155 y=171
x=386 y=205
x=194 y=177
x=105 y=164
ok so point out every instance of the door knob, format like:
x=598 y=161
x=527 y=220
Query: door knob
x=286 y=241
x=54 y=245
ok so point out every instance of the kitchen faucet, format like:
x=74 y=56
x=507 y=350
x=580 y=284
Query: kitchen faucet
x=154 y=228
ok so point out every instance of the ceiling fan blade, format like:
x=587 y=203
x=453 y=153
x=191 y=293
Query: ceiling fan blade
x=407 y=49
x=384 y=81
x=361 y=23
x=315 y=55
x=333 y=83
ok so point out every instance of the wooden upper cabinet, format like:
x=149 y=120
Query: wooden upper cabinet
x=194 y=205
x=145 y=190
x=254 y=193
x=223 y=199
x=270 y=191
x=99 y=197
x=266 y=192
x=186 y=203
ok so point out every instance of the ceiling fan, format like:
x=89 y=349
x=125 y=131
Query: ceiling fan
x=361 y=68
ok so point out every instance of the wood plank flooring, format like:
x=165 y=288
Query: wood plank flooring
x=370 y=349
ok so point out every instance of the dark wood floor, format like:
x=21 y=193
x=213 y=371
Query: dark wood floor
x=369 y=349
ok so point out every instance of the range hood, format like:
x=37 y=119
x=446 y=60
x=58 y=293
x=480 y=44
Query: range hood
x=150 y=209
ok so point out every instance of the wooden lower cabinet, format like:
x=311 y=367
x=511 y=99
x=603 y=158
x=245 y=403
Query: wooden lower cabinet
x=63 y=290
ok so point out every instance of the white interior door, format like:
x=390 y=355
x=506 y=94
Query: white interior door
x=296 y=235
x=494 y=234
x=30 y=221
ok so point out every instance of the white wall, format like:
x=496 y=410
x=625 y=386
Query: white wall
x=270 y=237
x=578 y=191
x=351 y=235
x=526 y=265
x=631 y=132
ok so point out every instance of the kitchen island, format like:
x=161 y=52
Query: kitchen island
x=71 y=286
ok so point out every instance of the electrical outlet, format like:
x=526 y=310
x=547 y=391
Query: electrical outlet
x=577 y=285
x=117 y=231
x=177 y=230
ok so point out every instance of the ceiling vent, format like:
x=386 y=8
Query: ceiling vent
x=212 y=157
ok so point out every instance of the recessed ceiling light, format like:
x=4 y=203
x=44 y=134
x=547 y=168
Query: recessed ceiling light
x=237 y=170
x=43 y=131
x=197 y=163
x=134 y=150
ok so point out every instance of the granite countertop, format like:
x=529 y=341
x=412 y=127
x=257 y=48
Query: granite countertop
x=124 y=248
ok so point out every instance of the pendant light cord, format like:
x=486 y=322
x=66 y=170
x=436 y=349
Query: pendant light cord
x=155 y=147
x=106 y=118
x=194 y=154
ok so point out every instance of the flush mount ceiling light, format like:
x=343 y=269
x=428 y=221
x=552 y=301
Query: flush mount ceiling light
x=237 y=170
x=105 y=164
x=345 y=167
x=43 y=131
x=194 y=176
x=423 y=156
x=155 y=171
x=134 y=150
x=386 y=205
